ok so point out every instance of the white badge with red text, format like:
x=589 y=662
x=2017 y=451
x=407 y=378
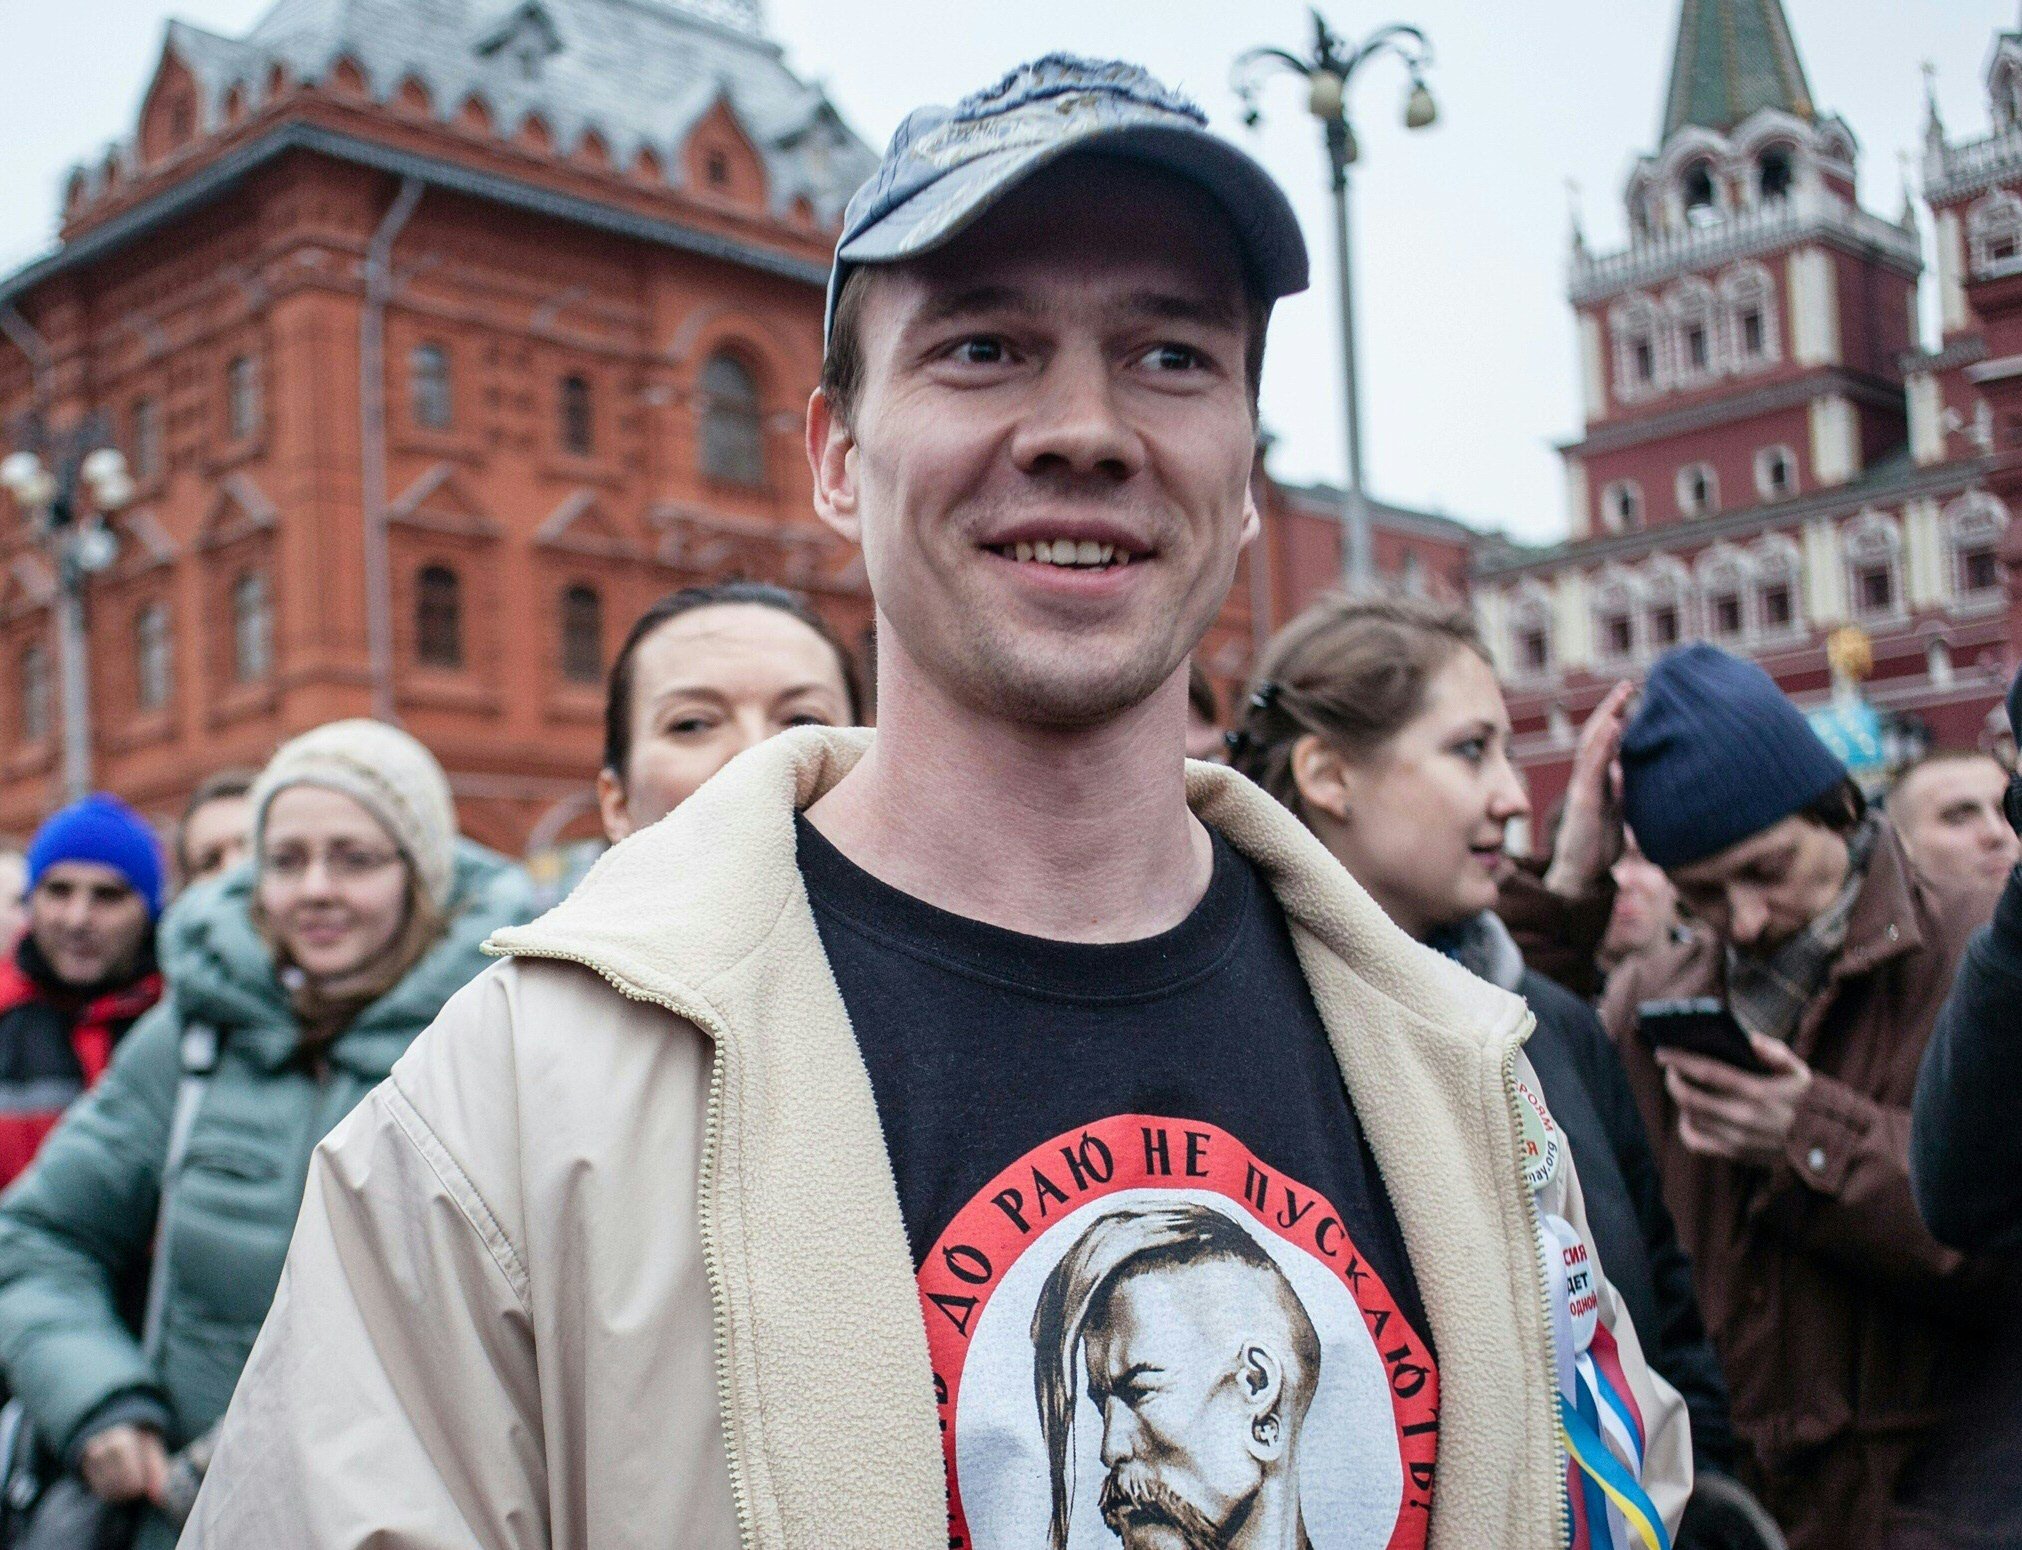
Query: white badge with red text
x=1577 y=1283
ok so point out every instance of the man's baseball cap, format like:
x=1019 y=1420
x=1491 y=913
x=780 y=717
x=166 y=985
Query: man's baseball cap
x=946 y=166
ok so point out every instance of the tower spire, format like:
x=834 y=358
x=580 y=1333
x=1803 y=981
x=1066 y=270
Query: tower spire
x=1733 y=58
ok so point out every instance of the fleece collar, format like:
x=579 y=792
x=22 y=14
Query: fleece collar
x=734 y=840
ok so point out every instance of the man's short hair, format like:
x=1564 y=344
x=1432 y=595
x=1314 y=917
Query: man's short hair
x=1937 y=756
x=1118 y=1247
x=842 y=368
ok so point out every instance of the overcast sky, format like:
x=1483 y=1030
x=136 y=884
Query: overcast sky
x=1467 y=353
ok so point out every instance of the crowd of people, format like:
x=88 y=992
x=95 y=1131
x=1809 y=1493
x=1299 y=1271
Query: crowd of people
x=1272 y=1157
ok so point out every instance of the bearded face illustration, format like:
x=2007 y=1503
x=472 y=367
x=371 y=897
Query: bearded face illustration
x=1202 y=1363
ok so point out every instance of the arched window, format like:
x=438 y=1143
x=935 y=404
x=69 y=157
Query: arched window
x=428 y=386
x=1723 y=590
x=1778 y=568
x=1634 y=327
x=1694 y=351
x=438 y=617
x=151 y=670
x=1667 y=600
x=1775 y=172
x=1748 y=311
x=1618 y=600
x=252 y=628
x=1994 y=235
x=34 y=692
x=1622 y=506
x=1698 y=191
x=1973 y=527
x=1530 y=633
x=1775 y=473
x=242 y=397
x=1698 y=490
x=582 y=635
x=1874 y=551
x=146 y=439
x=578 y=427
x=733 y=426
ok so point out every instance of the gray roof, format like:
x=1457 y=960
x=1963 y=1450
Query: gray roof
x=639 y=73
x=1733 y=58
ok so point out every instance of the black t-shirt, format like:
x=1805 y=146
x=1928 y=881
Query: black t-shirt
x=1164 y=1289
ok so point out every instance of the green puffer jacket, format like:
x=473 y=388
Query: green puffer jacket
x=76 y=1230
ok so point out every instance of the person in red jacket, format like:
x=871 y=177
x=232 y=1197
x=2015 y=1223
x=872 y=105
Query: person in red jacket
x=83 y=973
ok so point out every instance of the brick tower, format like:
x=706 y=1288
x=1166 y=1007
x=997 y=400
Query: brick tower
x=1743 y=474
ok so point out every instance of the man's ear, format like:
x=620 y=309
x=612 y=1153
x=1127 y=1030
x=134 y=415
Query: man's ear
x=1326 y=781
x=1262 y=1377
x=831 y=454
x=1253 y=522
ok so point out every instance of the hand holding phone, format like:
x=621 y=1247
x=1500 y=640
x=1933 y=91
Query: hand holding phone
x=1699 y=1025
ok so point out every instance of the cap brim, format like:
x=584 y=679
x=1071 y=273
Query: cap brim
x=1274 y=249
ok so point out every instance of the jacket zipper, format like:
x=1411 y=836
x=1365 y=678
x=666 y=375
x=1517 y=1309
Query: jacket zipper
x=1562 y=1509
x=712 y=1258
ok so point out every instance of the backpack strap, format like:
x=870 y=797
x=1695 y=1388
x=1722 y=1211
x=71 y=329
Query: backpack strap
x=200 y=1047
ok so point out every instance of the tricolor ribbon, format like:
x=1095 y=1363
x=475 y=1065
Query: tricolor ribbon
x=1603 y=1474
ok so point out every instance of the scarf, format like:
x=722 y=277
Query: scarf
x=1768 y=992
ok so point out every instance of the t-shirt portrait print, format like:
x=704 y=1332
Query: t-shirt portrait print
x=1166 y=1300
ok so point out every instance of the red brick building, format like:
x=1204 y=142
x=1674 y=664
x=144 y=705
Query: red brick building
x=1765 y=456
x=442 y=338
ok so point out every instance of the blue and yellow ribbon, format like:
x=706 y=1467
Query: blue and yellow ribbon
x=1600 y=1467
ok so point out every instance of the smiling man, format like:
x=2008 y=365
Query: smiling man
x=1835 y=1312
x=727 y=1203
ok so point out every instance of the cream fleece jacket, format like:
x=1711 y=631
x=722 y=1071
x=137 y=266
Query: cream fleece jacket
x=615 y=1258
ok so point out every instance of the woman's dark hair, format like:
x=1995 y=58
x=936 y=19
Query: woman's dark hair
x=1350 y=671
x=618 y=694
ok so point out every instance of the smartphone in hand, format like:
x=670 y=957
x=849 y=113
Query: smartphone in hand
x=1701 y=1025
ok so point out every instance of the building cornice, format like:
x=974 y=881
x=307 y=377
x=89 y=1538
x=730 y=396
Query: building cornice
x=217 y=178
x=1891 y=483
x=1803 y=217
x=1960 y=352
x=1612 y=436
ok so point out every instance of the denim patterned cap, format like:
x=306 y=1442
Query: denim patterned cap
x=946 y=166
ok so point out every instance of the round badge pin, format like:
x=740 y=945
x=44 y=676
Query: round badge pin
x=1537 y=1138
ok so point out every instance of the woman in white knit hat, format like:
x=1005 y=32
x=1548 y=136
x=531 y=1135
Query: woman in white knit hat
x=294 y=983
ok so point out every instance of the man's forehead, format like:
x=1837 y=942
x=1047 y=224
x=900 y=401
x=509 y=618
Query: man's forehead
x=1951 y=778
x=83 y=874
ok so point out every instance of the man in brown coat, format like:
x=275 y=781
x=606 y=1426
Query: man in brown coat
x=1839 y=1318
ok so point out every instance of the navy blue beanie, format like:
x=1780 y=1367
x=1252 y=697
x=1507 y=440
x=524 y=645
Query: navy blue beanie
x=1716 y=752
x=105 y=830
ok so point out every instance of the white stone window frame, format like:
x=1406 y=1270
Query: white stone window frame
x=1667 y=583
x=1872 y=538
x=1776 y=561
x=1976 y=520
x=1995 y=220
x=1611 y=516
x=1531 y=608
x=1688 y=506
x=1742 y=287
x=1632 y=319
x=1765 y=459
x=1619 y=593
x=1720 y=572
x=1691 y=304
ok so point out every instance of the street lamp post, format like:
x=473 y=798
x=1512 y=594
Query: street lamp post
x=67 y=483
x=1327 y=73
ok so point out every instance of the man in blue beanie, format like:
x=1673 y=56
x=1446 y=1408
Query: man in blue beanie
x=83 y=973
x=1834 y=1310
